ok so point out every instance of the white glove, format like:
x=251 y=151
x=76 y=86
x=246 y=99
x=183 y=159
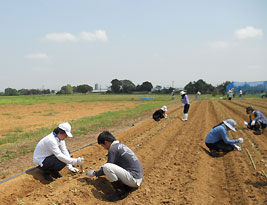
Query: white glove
x=166 y=116
x=253 y=123
x=245 y=123
x=237 y=147
x=90 y=173
x=182 y=104
x=80 y=160
x=241 y=140
x=73 y=169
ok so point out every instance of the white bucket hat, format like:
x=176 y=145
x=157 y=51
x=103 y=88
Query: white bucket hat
x=66 y=127
x=182 y=92
x=164 y=108
x=230 y=123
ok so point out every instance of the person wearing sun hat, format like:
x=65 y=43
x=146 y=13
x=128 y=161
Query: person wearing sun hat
x=51 y=153
x=159 y=114
x=185 y=103
x=218 y=141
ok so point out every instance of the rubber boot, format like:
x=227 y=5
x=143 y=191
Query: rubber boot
x=185 y=117
x=55 y=174
x=120 y=191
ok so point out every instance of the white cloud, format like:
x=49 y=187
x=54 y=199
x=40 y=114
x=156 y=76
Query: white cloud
x=98 y=35
x=248 y=32
x=218 y=44
x=60 y=37
x=38 y=56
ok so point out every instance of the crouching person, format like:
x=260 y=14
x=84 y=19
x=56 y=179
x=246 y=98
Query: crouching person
x=218 y=141
x=123 y=169
x=257 y=121
x=51 y=154
x=159 y=114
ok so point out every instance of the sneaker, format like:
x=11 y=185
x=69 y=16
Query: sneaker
x=257 y=132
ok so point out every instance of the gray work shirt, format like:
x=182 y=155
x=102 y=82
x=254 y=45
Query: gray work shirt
x=124 y=157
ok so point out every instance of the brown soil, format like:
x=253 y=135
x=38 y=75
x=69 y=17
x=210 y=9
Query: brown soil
x=32 y=117
x=177 y=168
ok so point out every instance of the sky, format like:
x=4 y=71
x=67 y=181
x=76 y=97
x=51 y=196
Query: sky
x=46 y=44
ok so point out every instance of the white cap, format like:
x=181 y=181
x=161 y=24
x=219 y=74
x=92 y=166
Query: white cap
x=66 y=127
x=164 y=108
x=230 y=123
x=182 y=92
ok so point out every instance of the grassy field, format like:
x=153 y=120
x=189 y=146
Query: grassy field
x=18 y=142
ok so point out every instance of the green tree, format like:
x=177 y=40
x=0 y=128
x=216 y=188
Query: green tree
x=67 y=89
x=222 y=87
x=146 y=86
x=11 y=92
x=83 y=88
x=127 y=86
x=116 y=86
x=200 y=85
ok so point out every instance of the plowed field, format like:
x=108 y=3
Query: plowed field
x=177 y=169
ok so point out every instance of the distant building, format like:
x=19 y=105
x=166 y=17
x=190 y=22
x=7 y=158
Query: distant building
x=96 y=86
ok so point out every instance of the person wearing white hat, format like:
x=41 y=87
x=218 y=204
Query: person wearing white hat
x=218 y=141
x=51 y=153
x=159 y=114
x=185 y=103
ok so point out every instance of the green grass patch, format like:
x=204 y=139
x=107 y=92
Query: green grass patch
x=52 y=99
x=15 y=143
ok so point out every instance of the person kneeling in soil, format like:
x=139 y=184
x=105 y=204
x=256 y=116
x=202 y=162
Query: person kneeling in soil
x=257 y=121
x=51 y=154
x=218 y=141
x=123 y=169
x=158 y=114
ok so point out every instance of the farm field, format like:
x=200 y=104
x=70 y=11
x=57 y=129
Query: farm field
x=177 y=169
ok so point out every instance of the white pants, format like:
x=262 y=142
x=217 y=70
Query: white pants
x=114 y=172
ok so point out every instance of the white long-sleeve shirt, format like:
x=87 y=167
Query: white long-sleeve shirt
x=51 y=145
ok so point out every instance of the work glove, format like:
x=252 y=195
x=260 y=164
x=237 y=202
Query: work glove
x=245 y=123
x=90 y=173
x=237 y=147
x=241 y=140
x=73 y=169
x=80 y=160
x=253 y=123
x=166 y=116
x=182 y=104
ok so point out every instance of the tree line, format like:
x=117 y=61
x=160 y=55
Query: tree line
x=126 y=86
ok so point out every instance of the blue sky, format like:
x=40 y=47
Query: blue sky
x=48 y=44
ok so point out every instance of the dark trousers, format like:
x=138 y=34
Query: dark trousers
x=186 y=108
x=258 y=126
x=220 y=146
x=51 y=164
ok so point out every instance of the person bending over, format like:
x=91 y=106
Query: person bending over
x=257 y=121
x=123 y=169
x=51 y=153
x=218 y=141
x=159 y=114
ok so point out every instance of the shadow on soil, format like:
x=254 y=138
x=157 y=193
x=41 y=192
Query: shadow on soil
x=256 y=184
x=38 y=175
x=101 y=187
x=218 y=154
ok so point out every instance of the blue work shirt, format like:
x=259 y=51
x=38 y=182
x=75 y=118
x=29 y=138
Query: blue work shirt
x=219 y=133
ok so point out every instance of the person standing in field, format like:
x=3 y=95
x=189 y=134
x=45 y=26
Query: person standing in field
x=218 y=141
x=185 y=103
x=230 y=94
x=123 y=169
x=240 y=94
x=257 y=120
x=159 y=114
x=51 y=154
